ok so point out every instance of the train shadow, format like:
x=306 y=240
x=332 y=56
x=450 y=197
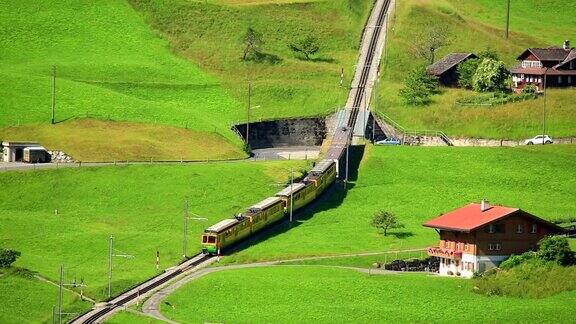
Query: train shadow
x=330 y=199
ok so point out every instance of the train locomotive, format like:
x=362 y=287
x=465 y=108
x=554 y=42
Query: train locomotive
x=220 y=236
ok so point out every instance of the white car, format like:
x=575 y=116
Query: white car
x=539 y=139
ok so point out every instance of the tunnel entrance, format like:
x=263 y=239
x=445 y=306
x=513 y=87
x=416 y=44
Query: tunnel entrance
x=302 y=132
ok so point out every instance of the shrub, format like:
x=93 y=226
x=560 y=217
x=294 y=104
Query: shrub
x=556 y=249
x=491 y=75
x=530 y=89
x=7 y=257
x=516 y=260
x=419 y=86
x=466 y=72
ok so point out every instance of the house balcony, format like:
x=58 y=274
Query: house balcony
x=444 y=253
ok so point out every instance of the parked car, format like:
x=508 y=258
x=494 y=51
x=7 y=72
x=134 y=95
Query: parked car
x=539 y=139
x=388 y=141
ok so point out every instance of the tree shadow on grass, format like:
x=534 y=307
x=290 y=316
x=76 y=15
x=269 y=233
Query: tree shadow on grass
x=331 y=198
x=316 y=59
x=261 y=57
x=401 y=235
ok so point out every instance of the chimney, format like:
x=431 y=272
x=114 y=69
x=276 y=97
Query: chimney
x=484 y=205
x=566 y=45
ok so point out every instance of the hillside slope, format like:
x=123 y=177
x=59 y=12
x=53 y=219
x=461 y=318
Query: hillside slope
x=474 y=26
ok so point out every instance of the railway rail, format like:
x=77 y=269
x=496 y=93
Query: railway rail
x=97 y=314
x=317 y=180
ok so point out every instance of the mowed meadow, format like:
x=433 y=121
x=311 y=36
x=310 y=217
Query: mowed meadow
x=305 y=294
x=474 y=26
x=66 y=216
x=418 y=184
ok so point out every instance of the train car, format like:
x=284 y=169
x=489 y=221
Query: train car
x=298 y=195
x=229 y=231
x=322 y=175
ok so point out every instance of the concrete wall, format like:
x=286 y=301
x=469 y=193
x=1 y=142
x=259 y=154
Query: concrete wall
x=286 y=132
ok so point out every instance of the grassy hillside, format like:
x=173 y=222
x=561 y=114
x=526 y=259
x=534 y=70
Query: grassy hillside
x=473 y=26
x=30 y=300
x=418 y=184
x=308 y=294
x=142 y=206
x=110 y=65
x=92 y=140
x=210 y=33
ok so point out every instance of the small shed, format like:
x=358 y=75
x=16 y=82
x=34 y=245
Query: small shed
x=31 y=152
x=446 y=70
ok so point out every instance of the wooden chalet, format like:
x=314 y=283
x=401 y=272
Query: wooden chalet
x=555 y=66
x=478 y=237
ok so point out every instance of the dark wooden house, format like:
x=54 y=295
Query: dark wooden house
x=556 y=65
x=446 y=70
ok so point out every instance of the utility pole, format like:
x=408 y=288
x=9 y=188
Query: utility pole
x=507 y=18
x=110 y=255
x=185 y=239
x=544 y=116
x=60 y=293
x=53 y=92
x=57 y=312
x=291 y=193
x=248 y=113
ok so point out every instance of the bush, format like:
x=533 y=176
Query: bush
x=466 y=72
x=7 y=257
x=516 y=260
x=419 y=86
x=491 y=75
x=556 y=249
x=530 y=89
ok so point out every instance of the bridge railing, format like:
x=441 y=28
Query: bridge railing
x=408 y=135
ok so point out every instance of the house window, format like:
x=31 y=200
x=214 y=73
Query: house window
x=571 y=65
x=559 y=79
x=534 y=228
x=491 y=228
x=570 y=79
x=466 y=247
x=494 y=246
x=519 y=229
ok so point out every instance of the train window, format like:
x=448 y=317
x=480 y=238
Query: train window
x=211 y=239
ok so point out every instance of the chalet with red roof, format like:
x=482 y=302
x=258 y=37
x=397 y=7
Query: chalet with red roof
x=478 y=237
x=555 y=66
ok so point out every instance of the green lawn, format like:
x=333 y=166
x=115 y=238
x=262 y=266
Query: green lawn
x=418 y=184
x=210 y=34
x=29 y=300
x=473 y=26
x=110 y=64
x=142 y=206
x=127 y=317
x=92 y=140
x=290 y=294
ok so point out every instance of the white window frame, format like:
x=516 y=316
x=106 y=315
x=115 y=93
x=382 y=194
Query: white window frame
x=519 y=229
x=534 y=229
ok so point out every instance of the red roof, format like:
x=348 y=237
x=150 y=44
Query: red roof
x=469 y=218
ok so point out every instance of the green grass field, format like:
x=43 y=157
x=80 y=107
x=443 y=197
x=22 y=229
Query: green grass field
x=142 y=206
x=30 y=300
x=418 y=184
x=92 y=140
x=473 y=26
x=210 y=34
x=290 y=294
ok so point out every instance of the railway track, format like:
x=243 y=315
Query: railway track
x=340 y=141
x=98 y=314
x=343 y=135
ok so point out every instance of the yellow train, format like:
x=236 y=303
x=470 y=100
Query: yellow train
x=218 y=237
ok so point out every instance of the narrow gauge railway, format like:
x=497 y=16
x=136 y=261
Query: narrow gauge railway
x=273 y=209
x=227 y=232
